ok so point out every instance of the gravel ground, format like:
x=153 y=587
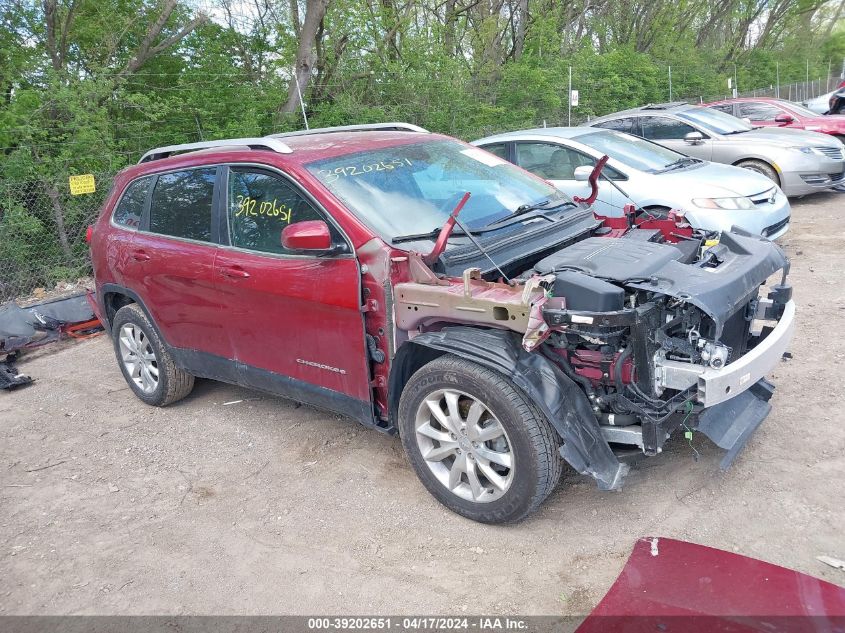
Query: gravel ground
x=108 y=506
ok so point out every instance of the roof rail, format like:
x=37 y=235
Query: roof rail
x=363 y=127
x=266 y=143
x=664 y=106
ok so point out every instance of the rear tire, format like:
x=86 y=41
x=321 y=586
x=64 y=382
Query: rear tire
x=761 y=168
x=144 y=360
x=477 y=443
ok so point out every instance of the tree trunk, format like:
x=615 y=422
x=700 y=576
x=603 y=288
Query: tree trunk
x=521 y=28
x=315 y=11
x=449 y=26
x=59 y=219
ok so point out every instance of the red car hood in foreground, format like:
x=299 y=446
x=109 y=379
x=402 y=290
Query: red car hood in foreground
x=673 y=586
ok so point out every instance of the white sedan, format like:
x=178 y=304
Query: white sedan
x=712 y=196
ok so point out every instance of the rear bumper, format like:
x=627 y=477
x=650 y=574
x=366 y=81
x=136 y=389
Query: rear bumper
x=91 y=296
x=715 y=386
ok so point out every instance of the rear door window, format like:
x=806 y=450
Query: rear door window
x=627 y=125
x=658 y=128
x=727 y=108
x=261 y=204
x=131 y=206
x=758 y=111
x=181 y=204
x=499 y=149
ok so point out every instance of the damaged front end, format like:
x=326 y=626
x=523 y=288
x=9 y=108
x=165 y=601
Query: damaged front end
x=620 y=339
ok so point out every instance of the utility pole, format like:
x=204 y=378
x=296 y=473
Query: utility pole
x=302 y=105
x=736 y=87
x=670 y=84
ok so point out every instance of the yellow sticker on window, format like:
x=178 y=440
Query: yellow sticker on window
x=84 y=183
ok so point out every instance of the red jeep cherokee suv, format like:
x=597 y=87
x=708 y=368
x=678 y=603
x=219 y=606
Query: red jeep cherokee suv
x=423 y=286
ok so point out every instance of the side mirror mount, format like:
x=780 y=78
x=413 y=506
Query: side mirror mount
x=694 y=138
x=582 y=173
x=784 y=119
x=309 y=235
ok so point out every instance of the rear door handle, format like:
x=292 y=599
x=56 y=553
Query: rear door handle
x=234 y=272
x=140 y=256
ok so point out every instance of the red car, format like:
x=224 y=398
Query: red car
x=781 y=113
x=425 y=287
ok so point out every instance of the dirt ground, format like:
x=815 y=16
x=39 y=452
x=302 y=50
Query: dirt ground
x=108 y=506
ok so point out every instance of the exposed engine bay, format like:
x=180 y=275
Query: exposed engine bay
x=658 y=333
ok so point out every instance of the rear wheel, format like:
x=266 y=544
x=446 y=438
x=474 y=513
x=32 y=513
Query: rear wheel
x=476 y=442
x=146 y=363
x=761 y=168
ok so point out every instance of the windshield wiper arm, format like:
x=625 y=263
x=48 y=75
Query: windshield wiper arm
x=431 y=235
x=528 y=208
x=684 y=160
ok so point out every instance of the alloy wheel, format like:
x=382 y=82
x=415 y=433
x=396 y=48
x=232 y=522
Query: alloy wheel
x=138 y=357
x=464 y=445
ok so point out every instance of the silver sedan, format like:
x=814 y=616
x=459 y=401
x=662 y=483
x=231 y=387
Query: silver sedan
x=712 y=196
x=800 y=162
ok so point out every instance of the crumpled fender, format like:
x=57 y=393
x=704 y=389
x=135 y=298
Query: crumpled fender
x=562 y=402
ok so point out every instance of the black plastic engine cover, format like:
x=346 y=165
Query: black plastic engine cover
x=615 y=259
x=588 y=294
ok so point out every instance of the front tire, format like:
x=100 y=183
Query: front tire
x=146 y=363
x=659 y=213
x=761 y=168
x=476 y=442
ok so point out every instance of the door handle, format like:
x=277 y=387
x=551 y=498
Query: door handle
x=234 y=272
x=140 y=256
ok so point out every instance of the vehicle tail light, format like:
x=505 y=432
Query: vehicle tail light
x=89 y=233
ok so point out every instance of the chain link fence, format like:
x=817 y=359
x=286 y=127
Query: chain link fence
x=42 y=226
x=42 y=236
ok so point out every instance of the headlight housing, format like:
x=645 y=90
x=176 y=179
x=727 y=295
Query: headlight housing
x=723 y=203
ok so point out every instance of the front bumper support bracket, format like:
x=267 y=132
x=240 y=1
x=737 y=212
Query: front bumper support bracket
x=731 y=423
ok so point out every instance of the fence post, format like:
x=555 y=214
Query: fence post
x=777 y=79
x=807 y=81
x=569 y=101
x=670 y=84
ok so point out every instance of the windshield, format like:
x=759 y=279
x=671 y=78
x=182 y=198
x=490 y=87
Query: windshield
x=630 y=150
x=408 y=189
x=714 y=121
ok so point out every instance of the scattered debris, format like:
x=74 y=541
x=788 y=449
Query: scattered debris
x=833 y=562
x=32 y=470
x=10 y=377
x=37 y=325
x=654 y=551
